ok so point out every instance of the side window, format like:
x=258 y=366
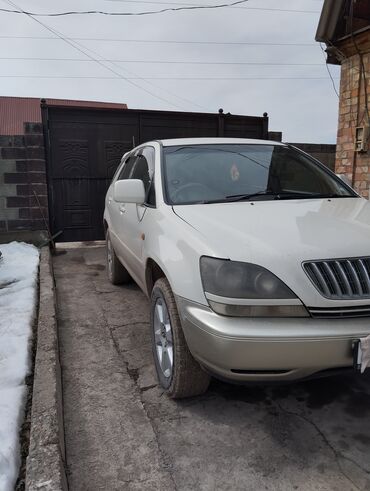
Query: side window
x=144 y=170
x=127 y=168
x=303 y=178
x=120 y=166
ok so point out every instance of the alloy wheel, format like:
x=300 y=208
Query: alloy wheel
x=109 y=256
x=163 y=337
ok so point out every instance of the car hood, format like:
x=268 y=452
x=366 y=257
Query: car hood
x=280 y=234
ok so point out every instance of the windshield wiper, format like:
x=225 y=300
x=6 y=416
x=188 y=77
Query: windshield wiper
x=283 y=195
x=237 y=197
x=244 y=197
x=275 y=195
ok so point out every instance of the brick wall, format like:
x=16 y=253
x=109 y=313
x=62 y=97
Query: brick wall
x=352 y=113
x=23 y=172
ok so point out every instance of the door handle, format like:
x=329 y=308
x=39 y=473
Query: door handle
x=122 y=208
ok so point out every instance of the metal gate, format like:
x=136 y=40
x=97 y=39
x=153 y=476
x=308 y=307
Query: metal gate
x=84 y=148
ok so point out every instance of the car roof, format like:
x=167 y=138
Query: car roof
x=220 y=141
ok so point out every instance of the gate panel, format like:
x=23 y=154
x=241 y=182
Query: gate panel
x=85 y=147
x=83 y=159
x=180 y=126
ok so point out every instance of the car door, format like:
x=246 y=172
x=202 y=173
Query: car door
x=115 y=209
x=130 y=225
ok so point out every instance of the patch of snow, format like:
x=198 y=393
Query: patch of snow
x=18 y=296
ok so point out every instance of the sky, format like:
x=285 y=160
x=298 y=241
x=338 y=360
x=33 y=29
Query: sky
x=247 y=59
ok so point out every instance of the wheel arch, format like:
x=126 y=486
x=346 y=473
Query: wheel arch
x=153 y=272
x=105 y=226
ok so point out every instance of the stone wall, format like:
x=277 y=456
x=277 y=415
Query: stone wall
x=353 y=113
x=22 y=175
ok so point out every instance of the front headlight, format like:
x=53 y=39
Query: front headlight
x=244 y=289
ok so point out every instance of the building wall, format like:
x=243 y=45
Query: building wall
x=22 y=175
x=353 y=113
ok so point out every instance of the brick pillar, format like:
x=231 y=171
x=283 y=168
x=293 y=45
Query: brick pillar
x=352 y=113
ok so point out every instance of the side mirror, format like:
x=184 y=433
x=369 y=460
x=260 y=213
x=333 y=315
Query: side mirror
x=129 y=191
x=345 y=179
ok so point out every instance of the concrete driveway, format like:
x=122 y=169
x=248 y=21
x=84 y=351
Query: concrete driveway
x=122 y=432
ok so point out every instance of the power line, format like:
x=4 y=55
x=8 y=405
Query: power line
x=151 y=12
x=164 y=41
x=70 y=43
x=362 y=73
x=161 y=77
x=164 y=62
x=329 y=72
x=102 y=12
x=194 y=4
x=183 y=99
x=165 y=3
x=130 y=80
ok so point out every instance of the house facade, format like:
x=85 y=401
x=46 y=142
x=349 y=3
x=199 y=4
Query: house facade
x=345 y=29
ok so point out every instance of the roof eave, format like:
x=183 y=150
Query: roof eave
x=330 y=15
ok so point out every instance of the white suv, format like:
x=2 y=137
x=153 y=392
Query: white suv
x=256 y=258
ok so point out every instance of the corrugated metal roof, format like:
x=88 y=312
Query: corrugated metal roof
x=15 y=111
x=91 y=104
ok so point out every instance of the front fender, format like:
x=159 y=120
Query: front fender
x=176 y=248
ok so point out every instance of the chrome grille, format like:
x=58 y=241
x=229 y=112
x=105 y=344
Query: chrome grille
x=341 y=312
x=341 y=278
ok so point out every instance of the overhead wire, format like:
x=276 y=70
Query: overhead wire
x=162 y=77
x=166 y=2
x=158 y=2
x=163 y=62
x=236 y=4
x=163 y=41
x=362 y=75
x=361 y=63
x=103 y=12
x=83 y=51
x=329 y=72
x=73 y=42
x=183 y=99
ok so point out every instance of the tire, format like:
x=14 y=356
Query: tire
x=117 y=273
x=185 y=378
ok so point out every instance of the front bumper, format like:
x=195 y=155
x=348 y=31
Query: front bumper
x=267 y=349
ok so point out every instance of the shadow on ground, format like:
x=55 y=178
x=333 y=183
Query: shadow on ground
x=311 y=435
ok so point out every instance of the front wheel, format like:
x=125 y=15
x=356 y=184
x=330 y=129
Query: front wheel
x=178 y=372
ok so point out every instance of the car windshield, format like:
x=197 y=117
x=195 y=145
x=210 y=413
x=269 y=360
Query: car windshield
x=218 y=173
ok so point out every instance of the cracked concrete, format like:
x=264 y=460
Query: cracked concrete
x=122 y=432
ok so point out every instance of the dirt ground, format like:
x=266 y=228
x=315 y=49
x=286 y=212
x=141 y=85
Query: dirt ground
x=122 y=432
